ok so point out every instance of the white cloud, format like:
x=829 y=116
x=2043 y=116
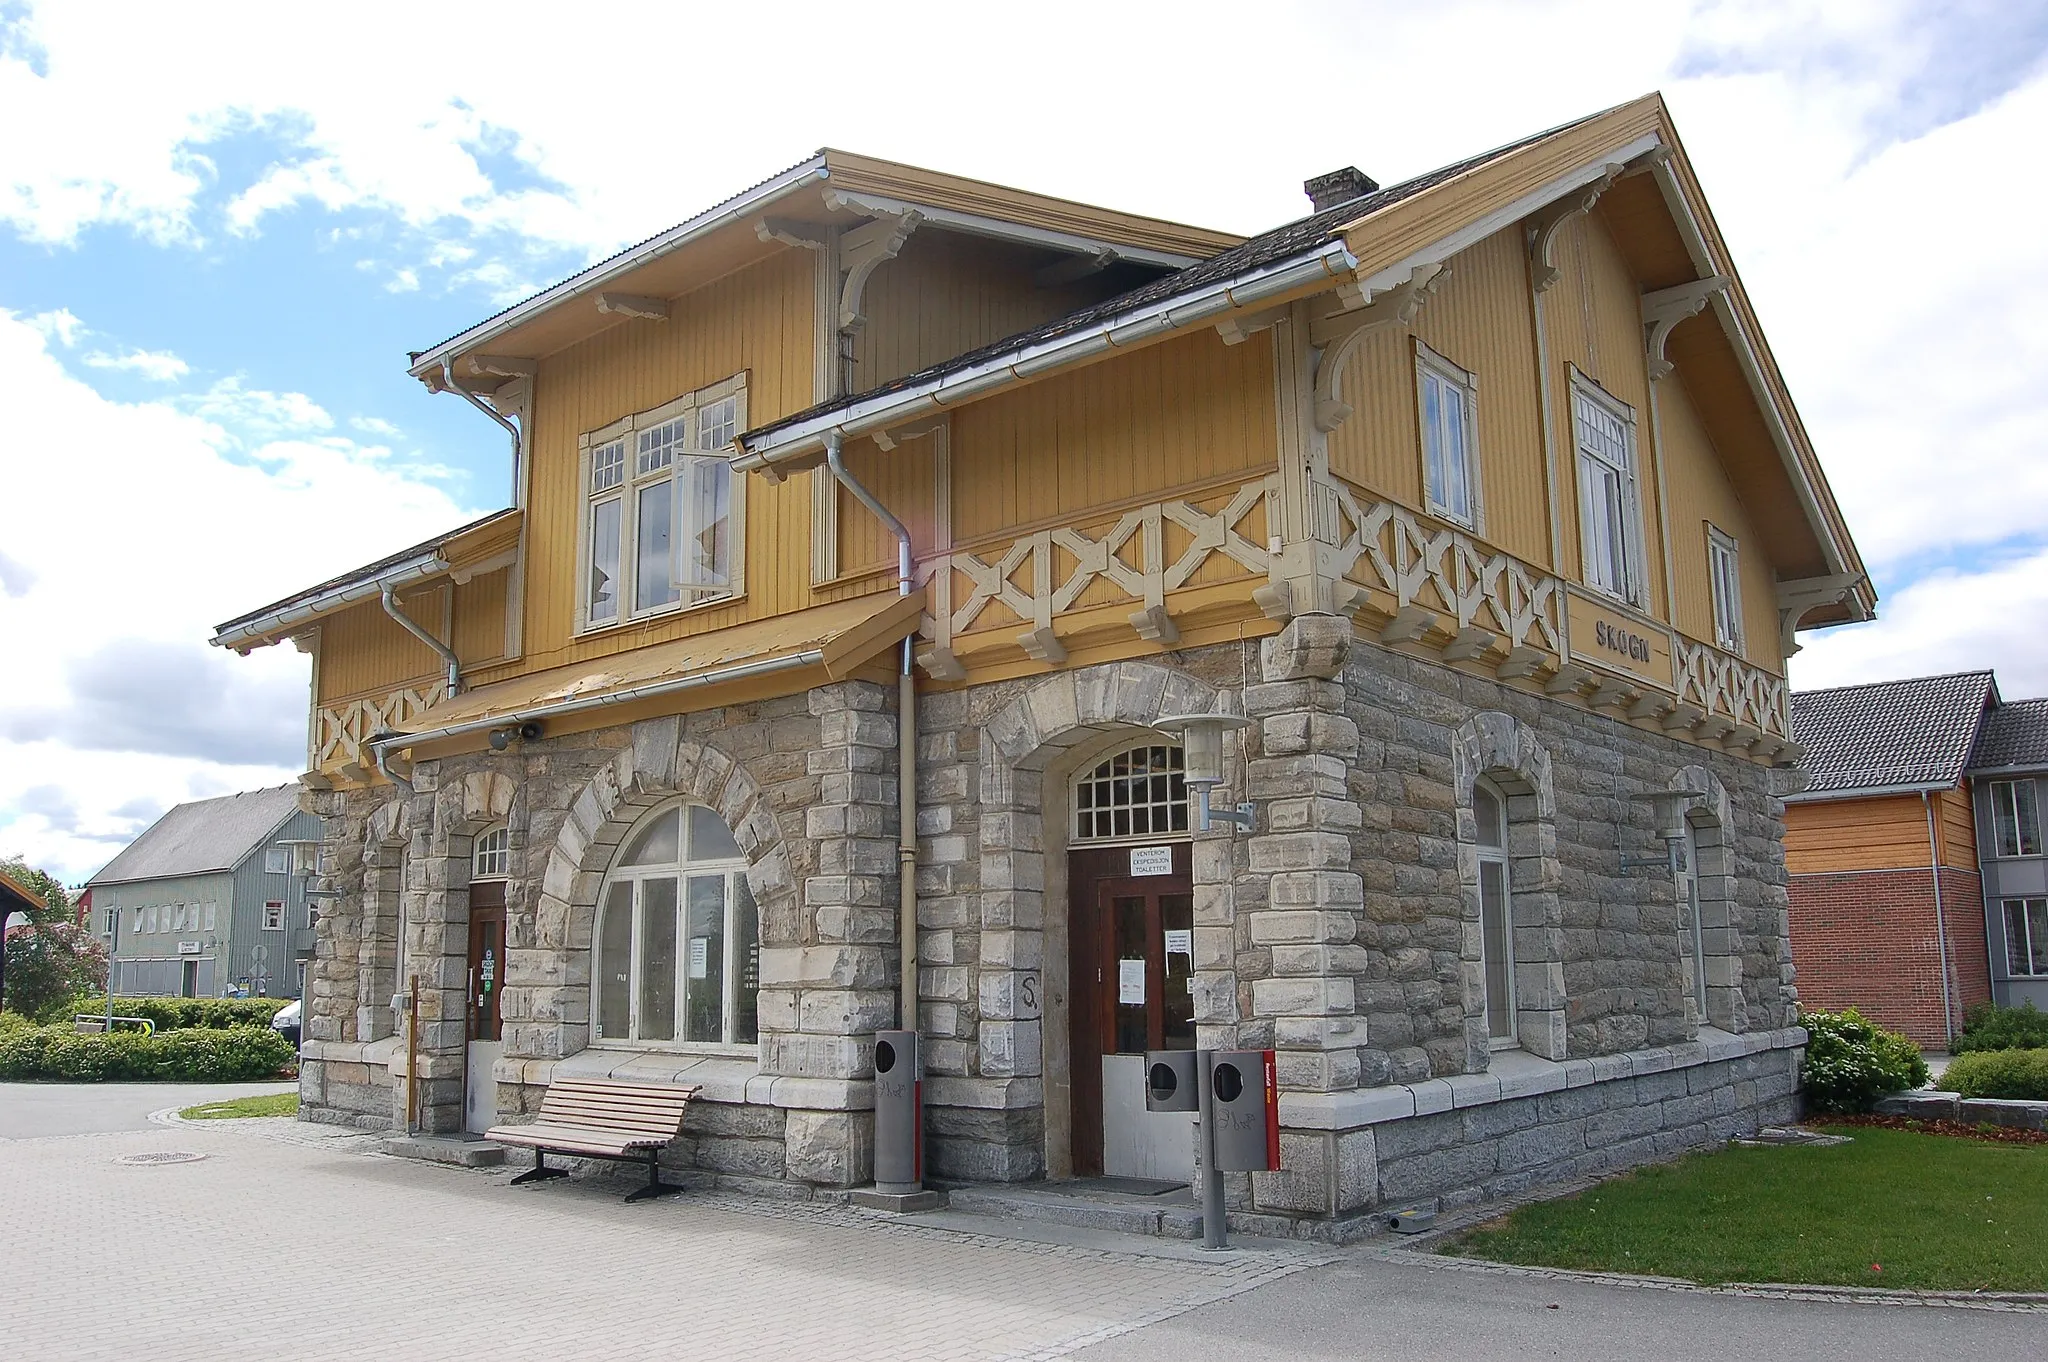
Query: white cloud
x=185 y=511
x=59 y=326
x=159 y=366
x=375 y=425
x=1948 y=621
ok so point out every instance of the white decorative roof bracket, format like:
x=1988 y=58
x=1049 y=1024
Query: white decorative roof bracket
x=499 y=366
x=888 y=440
x=1544 y=227
x=1241 y=327
x=789 y=232
x=862 y=251
x=1075 y=268
x=637 y=305
x=1336 y=336
x=1664 y=309
x=1796 y=599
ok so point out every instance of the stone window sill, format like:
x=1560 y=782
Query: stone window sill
x=1517 y=1073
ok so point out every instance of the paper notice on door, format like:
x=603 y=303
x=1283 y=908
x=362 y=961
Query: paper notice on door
x=1130 y=981
x=1180 y=943
x=700 y=956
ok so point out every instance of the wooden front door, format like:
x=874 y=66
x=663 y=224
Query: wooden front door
x=1130 y=963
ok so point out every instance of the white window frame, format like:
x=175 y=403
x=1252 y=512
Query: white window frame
x=1624 y=578
x=1490 y=854
x=136 y=929
x=680 y=870
x=1724 y=574
x=1100 y=789
x=277 y=860
x=212 y=917
x=490 y=856
x=2006 y=803
x=2029 y=909
x=273 y=921
x=113 y=921
x=1462 y=386
x=626 y=491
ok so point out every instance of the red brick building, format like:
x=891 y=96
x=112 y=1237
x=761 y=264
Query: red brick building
x=1887 y=895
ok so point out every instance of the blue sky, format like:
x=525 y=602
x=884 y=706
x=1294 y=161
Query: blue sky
x=233 y=220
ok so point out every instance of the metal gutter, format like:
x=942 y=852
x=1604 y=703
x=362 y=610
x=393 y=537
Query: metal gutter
x=1872 y=792
x=441 y=650
x=253 y=633
x=599 y=276
x=2014 y=769
x=1332 y=261
x=975 y=224
x=392 y=742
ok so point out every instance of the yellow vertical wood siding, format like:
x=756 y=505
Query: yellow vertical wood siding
x=1125 y=430
x=1479 y=319
x=904 y=480
x=1701 y=494
x=363 y=651
x=758 y=321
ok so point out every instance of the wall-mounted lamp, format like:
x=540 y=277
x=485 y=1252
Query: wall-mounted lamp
x=1670 y=807
x=1201 y=745
x=501 y=738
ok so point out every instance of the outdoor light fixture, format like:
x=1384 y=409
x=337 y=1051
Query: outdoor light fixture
x=1201 y=744
x=1670 y=807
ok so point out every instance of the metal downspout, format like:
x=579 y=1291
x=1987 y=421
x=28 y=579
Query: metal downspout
x=441 y=650
x=518 y=438
x=1948 y=1014
x=906 y=740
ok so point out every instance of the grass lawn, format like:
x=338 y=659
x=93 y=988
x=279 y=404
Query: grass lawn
x=1893 y=1209
x=269 y=1104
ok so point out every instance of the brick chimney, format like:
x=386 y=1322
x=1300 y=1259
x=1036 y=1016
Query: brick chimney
x=1339 y=186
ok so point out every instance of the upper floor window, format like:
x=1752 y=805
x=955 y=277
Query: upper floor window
x=273 y=916
x=490 y=855
x=1724 y=566
x=1139 y=792
x=678 y=937
x=2015 y=818
x=2026 y=936
x=1496 y=912
x=662 y=511
x=1450 y=453
x=277 y=860
x=1610 y=503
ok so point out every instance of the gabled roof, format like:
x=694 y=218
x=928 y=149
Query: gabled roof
x=2014 y=734
x=1892 y=736
x=474 y=546
x=18 y=897
x=203 y=837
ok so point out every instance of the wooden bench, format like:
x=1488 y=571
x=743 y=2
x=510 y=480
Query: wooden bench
x=600 y=1119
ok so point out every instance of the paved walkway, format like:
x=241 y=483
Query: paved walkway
x=418 y=1262
x=29 y=1110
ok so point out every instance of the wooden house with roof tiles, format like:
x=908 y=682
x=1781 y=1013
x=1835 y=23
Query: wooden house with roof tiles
x=867 y=526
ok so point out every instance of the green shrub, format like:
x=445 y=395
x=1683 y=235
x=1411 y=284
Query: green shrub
x=196 y=1054
x=2016 y=1075
x=1850 y=1063
x=180 y=1014
x=1987 y=1026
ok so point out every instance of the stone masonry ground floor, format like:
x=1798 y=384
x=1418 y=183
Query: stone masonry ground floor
x=1484 y=957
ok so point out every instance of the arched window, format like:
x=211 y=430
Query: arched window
x=678 y=939
x=1496 y=911
x=490 y=855
x=1137 y=793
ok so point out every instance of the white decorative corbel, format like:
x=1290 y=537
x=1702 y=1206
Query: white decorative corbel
x=1075 y=268
x=1240 y=327
x=861 y=252
x=789 y=232
x=637 y=305
x=887 y=440
x=1545 y=226
x=1339 y=334
x=1664 y=309
x=501 y=366
x=1799 y=598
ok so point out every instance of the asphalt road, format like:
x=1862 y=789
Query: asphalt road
x=31 y=1110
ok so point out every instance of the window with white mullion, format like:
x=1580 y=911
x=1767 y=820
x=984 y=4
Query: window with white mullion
x=1447 y=410
x=1724 y=567
x=660 y=525
x=1610 y=515
x=2015 y=818
x=2026 y=937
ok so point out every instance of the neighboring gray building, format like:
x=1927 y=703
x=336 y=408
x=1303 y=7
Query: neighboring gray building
x=2007 y=771
x=204 y=904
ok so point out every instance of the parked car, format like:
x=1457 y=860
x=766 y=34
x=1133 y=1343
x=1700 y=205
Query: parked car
x=286 y=1022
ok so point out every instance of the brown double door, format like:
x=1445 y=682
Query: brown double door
x=1130 y=963
x=486 y=958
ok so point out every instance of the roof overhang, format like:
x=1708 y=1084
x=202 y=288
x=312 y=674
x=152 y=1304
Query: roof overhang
x=15 y=897
x=476 y=549
x=1871 y=792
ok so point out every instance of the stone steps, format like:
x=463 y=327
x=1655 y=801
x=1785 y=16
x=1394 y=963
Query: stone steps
x=1123 y=1214
x=465 y=1151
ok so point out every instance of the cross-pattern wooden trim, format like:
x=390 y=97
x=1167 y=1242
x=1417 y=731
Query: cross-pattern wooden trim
x=342 y=731
x=1725 y=687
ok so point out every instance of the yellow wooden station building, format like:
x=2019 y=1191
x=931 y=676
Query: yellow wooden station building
x=899 y=565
